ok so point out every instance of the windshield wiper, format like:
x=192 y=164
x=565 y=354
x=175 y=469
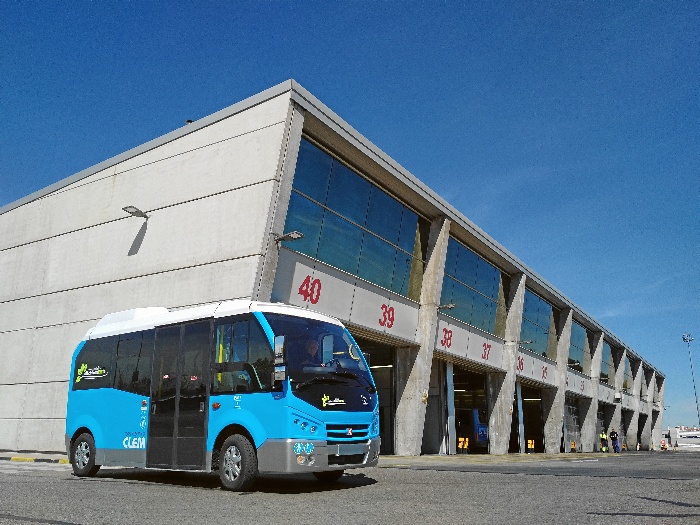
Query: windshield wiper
x=370 y=387
x=318 y=379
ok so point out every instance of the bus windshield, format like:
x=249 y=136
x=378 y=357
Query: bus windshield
x=317 y=348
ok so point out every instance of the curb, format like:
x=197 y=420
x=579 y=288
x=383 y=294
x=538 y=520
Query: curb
x=20 y=459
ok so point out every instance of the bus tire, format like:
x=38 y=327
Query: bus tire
x=238 y=463
x=329 y=476
x=82 y=456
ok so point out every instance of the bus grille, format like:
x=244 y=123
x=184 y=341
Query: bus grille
x=352 y=459
x=339 y=434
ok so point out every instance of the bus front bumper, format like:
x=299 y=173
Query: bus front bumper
x=298 y=455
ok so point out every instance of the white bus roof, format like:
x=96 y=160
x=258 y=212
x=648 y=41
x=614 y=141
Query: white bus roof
x=139 y=319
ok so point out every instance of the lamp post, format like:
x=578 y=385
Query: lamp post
x=687 y=338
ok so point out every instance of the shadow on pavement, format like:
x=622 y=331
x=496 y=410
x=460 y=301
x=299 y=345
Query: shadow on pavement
x=279 y=484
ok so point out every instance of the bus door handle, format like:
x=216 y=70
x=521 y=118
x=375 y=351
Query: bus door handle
x=153 y=408
x=201 y=406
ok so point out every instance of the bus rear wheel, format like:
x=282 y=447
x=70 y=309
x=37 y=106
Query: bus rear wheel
x=83 y=456
x=238 y=463
x=329 y=476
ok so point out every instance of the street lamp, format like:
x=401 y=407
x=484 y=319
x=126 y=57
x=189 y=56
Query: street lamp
x=134 y=212
x=687 y=338
x=291 y=236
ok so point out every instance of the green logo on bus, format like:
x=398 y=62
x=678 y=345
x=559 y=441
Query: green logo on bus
x=92 y=373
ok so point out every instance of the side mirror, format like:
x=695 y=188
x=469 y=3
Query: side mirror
x=280 y=373
x=280 y=357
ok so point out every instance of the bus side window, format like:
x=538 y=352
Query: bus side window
x=242 y=357
x=133 y=370
x=260 y=356
x=228 y=371
x=94 y=365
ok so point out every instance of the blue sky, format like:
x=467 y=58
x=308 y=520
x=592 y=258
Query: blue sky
x=568 y=131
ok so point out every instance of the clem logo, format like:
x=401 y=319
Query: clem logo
x=134 y=440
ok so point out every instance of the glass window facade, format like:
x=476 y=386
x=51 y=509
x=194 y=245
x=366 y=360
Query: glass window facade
x=579 y=356
x=538 y=325
x=473 y=285
x=628 y=378
x=607 y=368
x=353 y=225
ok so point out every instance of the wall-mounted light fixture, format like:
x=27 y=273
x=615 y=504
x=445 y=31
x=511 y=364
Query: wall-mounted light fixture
x=449 y=306
x=291 y=236
x=134 y=212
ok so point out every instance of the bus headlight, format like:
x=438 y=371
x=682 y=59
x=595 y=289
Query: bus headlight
x=375 y=423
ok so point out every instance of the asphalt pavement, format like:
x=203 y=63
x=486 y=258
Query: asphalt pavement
x=633 y=487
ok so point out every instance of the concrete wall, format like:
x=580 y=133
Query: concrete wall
x=73 y=255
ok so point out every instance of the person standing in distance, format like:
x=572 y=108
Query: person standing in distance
x=613 y=438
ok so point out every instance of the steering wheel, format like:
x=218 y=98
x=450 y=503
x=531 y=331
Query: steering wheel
x=334 y=361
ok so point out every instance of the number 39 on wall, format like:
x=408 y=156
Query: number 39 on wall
x=387 y=318
x=310 y=290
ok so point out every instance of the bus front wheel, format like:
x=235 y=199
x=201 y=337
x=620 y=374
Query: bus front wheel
x=328 y=476
x=238 y=464
x=83 y=456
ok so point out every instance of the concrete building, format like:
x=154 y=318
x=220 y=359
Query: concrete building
x=462 y=337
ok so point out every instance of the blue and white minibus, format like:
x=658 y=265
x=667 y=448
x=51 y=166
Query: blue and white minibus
x=237 y=387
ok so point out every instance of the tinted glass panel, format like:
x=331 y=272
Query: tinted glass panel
x=577 y=347
x=194 y=365
x=471 y=284
x=306 y=217
x=384 y=216
x=376 y=261
x=165 y=363
x=312 y=172
x=134 y=354
x=94 y=365
x=402 y=273
x=340 y=244
x=409 y=225
x=348 y=194
x=628 y=380
x=537 y=315
x=605 y=365
x=195 y=359
x=336 y=226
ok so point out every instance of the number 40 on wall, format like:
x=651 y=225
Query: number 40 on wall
x=310 y=290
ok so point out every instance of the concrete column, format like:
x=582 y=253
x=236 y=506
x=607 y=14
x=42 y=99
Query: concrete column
x=414 y=364
x=616 y=418
x=633 y=428
x=589 y=436
x=649 y=398
x=554 y=399
x=658 y=401
x=501 y=386
x=451 y=425
x=277 y=215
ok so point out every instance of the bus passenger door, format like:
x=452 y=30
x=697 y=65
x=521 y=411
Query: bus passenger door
x=177 y=427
